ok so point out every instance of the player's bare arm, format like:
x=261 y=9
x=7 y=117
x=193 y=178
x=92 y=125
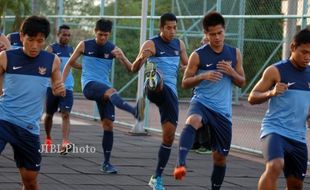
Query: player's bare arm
x=3 y=64
x=183 y=56
x=236 y=74
x=147 y=50
x=58 y=86
x=119 y=55
x=308 y=118
x=4 y=43
x=191 y=79
x=267 y=87
x=72 y=60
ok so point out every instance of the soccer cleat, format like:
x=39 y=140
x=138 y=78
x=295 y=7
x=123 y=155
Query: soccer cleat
x=156 y=183
x=179 y=172
x=108 y=168
x=150 y=76
x=140 y=109
x=66 y=147
x=48 y=144
x=203 y=150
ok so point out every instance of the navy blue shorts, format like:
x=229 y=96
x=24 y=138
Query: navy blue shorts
x=294 y=153
x=26 y=146
x=168 y=104
x=220 y=127
x=95 y=91
x=54 y=102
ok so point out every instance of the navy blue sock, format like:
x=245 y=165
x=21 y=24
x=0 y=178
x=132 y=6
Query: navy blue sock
x=107 y=144
x=217 y=176
x=121 y=104
x=163 y=157
x=186 y=142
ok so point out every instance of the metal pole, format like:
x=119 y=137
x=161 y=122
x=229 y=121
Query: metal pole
x=219 y=5
x=139 y=128
x=289 y=28
x=240 y=45
x=304 y=14
x=102 y=2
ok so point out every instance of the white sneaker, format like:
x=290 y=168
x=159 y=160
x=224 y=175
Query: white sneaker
x=156 y=183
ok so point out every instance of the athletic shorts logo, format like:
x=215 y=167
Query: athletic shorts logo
x=15 y=68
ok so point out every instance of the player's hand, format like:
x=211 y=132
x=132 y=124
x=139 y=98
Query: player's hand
x=213 y=76
x=279 y=88
x=2 y=46
x=225 y=67
x=118 y=53
x=59 y=89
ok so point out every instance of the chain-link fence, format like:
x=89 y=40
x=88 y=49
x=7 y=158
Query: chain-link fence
x=260 y=29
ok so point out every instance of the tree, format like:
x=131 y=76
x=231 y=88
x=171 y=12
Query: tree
x=18 y=8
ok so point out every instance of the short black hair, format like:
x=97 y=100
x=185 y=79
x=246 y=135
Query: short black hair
x=104 y=25
x=167 y=17
x=302 y=37
x=64 y=26
x=33 y=25
x=212 y=19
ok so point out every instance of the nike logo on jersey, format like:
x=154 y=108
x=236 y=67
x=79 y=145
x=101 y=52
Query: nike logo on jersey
x=91 y=52
x=162 y=52
x=290 y=83
x=58 y=53
x=15 y=68
x=209 y=65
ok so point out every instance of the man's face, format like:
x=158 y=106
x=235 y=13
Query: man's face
x=102 y=37
x=169 y=30
x=301 y=55
x=64 y=36
x=32 y=45
x=216 y=35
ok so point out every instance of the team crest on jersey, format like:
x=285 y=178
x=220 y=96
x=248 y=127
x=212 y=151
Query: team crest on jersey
x=106 y=55
x=42 y=70
x=176 y=52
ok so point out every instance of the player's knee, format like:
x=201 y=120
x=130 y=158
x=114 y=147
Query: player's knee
x=30 y=183
x=65 y=116
x=107 y=125
x=48 y=117
x=194 y=120
x=275 y=167
x=168 y=140
x=219 y=159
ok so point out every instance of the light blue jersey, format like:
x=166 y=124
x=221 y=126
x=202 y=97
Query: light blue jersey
x=25 y=83
x=167 y=59
x=97 y=62
x=217 y=96
x=64 y=53
x=287 y=113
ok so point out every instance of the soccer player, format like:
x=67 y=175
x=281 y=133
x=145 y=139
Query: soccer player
x=14 y=39
x=212 y=69
x=27 y=73
x=63 y=50
x=286 y=87
x=96 y=67
x=163 y=54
